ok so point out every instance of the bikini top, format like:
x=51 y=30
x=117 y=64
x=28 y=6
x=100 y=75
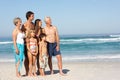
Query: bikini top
x=32 y=45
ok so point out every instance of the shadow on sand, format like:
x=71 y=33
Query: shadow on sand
x=65 y=71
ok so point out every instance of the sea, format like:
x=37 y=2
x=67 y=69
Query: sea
x=76 y=48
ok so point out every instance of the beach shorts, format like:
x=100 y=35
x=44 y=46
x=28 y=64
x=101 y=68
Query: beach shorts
x=52 y=49
x=44 y=64
x=20 y=56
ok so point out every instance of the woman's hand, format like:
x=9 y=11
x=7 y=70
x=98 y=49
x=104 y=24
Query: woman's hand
x=17 y=51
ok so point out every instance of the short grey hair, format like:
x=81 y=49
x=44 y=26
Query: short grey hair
x=47 y=17
x=15 y=21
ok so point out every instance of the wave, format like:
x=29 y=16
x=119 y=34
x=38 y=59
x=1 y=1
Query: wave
x=6 y=42
x=79 y=58
x=118 y=36
x=80 y=40
x=93 y=58
x=89 y=40
x=7 y=60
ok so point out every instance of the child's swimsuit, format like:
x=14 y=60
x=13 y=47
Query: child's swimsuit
x=33 y=46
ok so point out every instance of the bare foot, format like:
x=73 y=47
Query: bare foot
x=30 y=74
x=18 y=75
x=61 y=73
x=52 y=72
x=35 y=74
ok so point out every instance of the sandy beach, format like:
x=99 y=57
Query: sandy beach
x=73 y=70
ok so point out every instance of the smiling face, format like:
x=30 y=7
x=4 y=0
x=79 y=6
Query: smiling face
x=19 y=23
x=48 y=20
x=31 y=17
x=44 y=38
x=40 y=23
x=32 y=33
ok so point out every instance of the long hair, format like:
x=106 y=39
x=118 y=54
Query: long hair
x=37 y=25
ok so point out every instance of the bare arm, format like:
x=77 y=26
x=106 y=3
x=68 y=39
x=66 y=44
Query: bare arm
x=40 y=51
x=28 y=44
x=36 y=47
x=14 y=37
x=57 y=39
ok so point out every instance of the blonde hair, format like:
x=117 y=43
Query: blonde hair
x=15 y=21
x=29 y=33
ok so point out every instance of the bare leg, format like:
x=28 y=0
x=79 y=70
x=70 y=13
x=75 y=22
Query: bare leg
x=42 y=73
x=34 y=65
x=50 y=64
x=26 y=63
x=38 y=65
x=59 y=59
x=30 y=64
x=17 y=72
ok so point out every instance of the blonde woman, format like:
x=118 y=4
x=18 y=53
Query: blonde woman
x=18 y=42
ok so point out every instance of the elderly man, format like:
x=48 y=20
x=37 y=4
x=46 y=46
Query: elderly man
x=53 y=44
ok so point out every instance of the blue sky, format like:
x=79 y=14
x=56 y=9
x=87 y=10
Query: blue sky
x=70 y=16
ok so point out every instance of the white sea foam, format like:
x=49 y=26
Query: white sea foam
x=78 y=58
x=89 y=40
x=118 y=36
x=6 y=42
x=7 y=60
x=95 y=57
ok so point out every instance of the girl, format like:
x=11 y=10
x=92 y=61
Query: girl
x=32 y=47
x=18 y=41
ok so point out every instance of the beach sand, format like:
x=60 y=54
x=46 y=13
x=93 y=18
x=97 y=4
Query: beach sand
x=73 y=70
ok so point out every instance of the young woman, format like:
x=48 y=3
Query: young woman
x=38 y=30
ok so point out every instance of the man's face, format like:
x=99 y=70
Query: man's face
x=48 y=21
x=31 y=17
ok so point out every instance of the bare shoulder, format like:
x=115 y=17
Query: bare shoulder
x=14 y=31
x=25 y=24
x=54 y=27
x=35 y=40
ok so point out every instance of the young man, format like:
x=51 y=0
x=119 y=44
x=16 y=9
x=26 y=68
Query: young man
x=53 y=45
x=26 y=27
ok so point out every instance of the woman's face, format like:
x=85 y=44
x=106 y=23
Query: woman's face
x=19 y=23
x=40 y=23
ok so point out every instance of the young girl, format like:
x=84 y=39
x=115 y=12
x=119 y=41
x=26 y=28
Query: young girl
x=18 y=41
x=32 y=47
x=43 y=56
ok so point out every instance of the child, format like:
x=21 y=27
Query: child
x=18 y=42
x=32 y=47
x=43 y=55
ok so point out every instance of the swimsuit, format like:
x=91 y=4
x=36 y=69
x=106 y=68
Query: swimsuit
x=45 y=61
x=33 y=46
x=52 y=49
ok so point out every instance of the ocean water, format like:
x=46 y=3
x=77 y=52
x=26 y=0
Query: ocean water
x=91 y=47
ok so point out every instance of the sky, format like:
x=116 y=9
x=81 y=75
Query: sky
x=69 y=16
